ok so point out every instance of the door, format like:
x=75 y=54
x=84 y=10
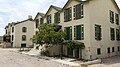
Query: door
x=77 y=53
x=70 y=52
x=23 y=45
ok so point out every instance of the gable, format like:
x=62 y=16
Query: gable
x=69 y=1
x=52 y=8
x=116 y=6
x=39 y=14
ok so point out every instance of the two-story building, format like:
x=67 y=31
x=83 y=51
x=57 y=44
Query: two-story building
x=21 y=33
x=94 y=23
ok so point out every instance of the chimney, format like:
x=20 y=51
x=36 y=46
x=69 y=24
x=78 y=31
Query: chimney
x=29 y=17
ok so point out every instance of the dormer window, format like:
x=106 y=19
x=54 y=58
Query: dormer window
x=48 y=19
x=57 y=17
x=41 y=20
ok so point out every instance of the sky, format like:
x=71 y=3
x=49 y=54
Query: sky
x=18 y=10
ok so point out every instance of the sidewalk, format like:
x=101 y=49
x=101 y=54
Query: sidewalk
x=67 y=62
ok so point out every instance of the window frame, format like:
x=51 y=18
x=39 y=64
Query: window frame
x=68 y=14
x=98 y=51
x=98 y=32
x=49 y=17
x=78 y=11
x=24 y=38
x=112 y=33
x=81 y=32
x=70 y=33
x=24 y=29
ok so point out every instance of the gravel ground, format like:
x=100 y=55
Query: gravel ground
x=9 y=58
x=109 y=62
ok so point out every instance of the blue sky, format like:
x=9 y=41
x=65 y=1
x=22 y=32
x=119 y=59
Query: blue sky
x=18 y=10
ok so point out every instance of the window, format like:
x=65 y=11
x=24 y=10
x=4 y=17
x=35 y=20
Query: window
x=6 y=31
x=37 y=23
x=113 y=50
x=12 y=37
x=117 y=18
x=67 y=14
x=24 y=29
x=118 y=48
x=12 y=29
x=78 y=11
x=79 y=32
x=98 y=51
x=108 y=50
x=112 y=31
x=57 y=17
x=41 y=20
x=48 y=19
x=23 y=37
x=111 y=16
x=98 y=32
x=117 y=34
x=68 y=31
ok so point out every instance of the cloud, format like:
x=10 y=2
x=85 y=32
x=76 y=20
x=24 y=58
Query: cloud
x=18 y=10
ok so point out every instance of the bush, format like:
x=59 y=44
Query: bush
x=37 y=47
x=45 y=53
x=84 y=65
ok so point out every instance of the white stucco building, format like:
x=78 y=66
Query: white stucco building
x=92 y=22
x=21 y=33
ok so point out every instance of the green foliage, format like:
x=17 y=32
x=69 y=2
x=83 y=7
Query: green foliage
x=49 y=34
x=74 y=44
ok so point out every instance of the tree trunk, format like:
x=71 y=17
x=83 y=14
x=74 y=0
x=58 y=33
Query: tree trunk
x=61 y=51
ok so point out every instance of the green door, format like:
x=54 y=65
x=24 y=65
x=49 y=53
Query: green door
x=70 y=52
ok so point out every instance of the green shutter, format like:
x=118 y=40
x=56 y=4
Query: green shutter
x=50 y=18
x=74 y=12
x=82 y=32
x=64 y=15
x=71 y=33
x=78 y=32
x=81 y=10
x=74 y=32
x=70 y=11
x=68 y=33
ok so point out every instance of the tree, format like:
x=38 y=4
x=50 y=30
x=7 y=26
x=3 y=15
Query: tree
x=49 y=34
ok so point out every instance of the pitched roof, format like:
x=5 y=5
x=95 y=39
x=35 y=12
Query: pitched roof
x=116 y=6
x=41 y=14
x=72 y=0
x=55 y=7
x=24 y=21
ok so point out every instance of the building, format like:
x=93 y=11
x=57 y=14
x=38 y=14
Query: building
x=21 y=33
x=92 y=22
x=1 y=41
